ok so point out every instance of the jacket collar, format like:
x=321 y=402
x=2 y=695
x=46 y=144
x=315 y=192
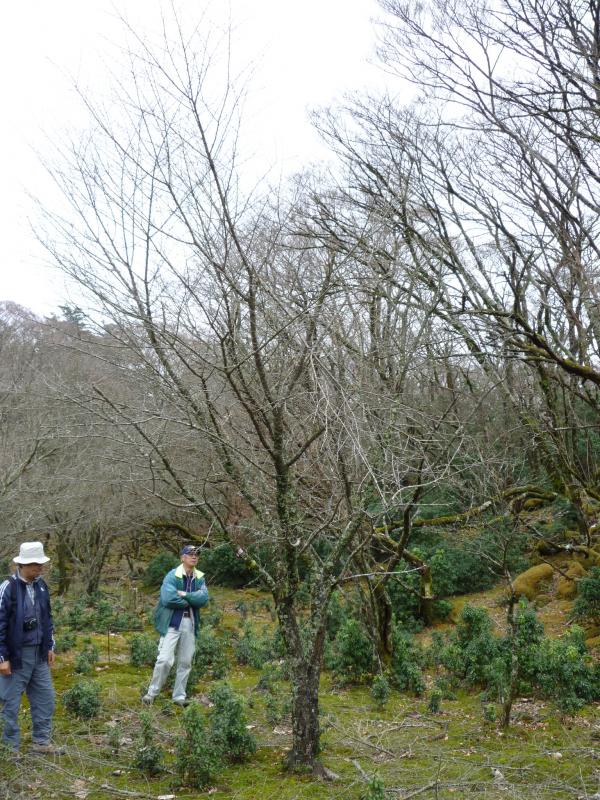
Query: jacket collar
x=180 y=573
x=34 y=581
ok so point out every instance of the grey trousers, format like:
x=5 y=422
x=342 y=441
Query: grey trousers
x=184 y=641
x=34 y=679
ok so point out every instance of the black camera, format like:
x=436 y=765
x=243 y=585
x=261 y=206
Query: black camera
x=30 y=624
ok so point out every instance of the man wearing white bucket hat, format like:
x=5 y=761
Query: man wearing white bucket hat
x=27 y=650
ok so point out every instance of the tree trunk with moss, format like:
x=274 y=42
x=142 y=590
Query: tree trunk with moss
x=305 y=655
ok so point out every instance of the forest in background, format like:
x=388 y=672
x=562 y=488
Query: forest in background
x=383 y=374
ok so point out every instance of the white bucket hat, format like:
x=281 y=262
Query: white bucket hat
x=31 y=553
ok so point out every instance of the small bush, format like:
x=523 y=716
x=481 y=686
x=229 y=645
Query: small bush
x=490 y=713
x=114 y=738
x=148 y=757
x=375 y=789
x=435 y=701
x=353 y=656
x=472 y=647
x=64 y=642
x=210 y=658
x=278 y=707
x=158 y=568
x=432 y=655
x=103 y=614
x=198 y=758
x=405 y=667
x=566 y=673
x=83 y=699
x=336 y=614
x=224 y=568
x=126 y=621
x=252 y=650
x=271 y=674
x=380 y=690
x=587 y=603
x=228 y=723
x=442 y=685
x=87 y=659
x=212 y=614
x=80 y=617
x=142 y=650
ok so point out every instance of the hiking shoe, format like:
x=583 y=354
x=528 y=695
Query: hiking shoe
x=147 y=699
x=48 y=749
x=181 y=701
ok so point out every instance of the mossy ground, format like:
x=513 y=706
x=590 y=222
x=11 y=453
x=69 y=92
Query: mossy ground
x=455 y=752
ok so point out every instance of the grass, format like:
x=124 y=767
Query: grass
x=455 y=753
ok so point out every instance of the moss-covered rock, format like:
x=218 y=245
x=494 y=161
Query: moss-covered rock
x=566 y=587
x=530 y=583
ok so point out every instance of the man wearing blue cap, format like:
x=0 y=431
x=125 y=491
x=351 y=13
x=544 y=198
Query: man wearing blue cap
x=176 y=618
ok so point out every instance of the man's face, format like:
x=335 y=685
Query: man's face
x=30 y=572
x=189 y=561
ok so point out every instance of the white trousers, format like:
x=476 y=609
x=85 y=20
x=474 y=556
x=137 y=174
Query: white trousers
x=184 y=642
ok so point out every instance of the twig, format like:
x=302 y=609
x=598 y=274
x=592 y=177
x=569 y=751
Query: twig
x=362 y=741
x=421 y=790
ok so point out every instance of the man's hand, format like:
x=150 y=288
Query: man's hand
x=5 y=668
x=180 y=593
x=51 y=658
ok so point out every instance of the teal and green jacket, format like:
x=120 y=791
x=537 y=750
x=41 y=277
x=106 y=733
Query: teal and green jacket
x=170 y=603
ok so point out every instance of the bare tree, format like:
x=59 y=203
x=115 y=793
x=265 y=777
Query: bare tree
x=490 y=182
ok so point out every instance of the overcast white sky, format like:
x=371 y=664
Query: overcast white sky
x=305 y=54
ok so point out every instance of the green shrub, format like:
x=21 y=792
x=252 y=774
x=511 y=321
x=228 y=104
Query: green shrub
x=375 y=789
x=114 y=737
x=472 y=648
x=251 y=649
x=142 y=650
x=353 y=655
x=228 y=723
x=198 y=757
x=158 y=568
x=271 y=674
x=87 y=659
x=405 y=667
x=148 y=757
x=210 y=658
x=278 y=707
x=80 y=616
x=442 y=684
x=380 y=690
x=126 y=621
x=64 y=642
x=490 y=713
x=224 y=568
x=212 y=614
x=587 y=603
x=455 y=569
x=529 y=635
x=336 y=614
x=103 y=614
x=435 y=701
x=433 y=655
x=83 y=699
x=566 y=673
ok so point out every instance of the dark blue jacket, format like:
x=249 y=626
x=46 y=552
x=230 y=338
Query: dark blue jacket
x=12 y=601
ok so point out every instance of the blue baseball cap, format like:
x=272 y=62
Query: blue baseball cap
x=189 y=550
